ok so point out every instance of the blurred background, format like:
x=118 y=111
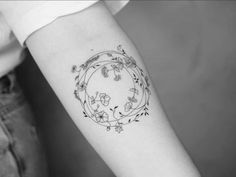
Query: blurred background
x=189 y=48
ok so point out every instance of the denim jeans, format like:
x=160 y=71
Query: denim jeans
x=21 y=154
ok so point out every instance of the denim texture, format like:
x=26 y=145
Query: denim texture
x=21 y=154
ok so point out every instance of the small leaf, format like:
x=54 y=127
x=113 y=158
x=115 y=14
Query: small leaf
x=129 y=120
x=109 y=55
x=108 y=128
x=115 y=107
x=136 y=120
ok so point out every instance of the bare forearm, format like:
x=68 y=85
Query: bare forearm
x=109 y=95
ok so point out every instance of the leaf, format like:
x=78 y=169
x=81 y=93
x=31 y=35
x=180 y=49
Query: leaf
x=136 y=120
x=115 y=107
x=108 y=128
x=111 y=109
x=77 y=77
x=129 y=120
x=109 y=55
x=85 y=115
x=137 y=115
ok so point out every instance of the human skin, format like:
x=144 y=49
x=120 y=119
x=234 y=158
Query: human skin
x=146 y=146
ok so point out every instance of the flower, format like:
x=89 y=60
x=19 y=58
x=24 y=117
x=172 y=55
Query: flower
x=104 y=98
x=82 y=86
x=128 y=106
x=115 y=68
x=118 y=128
x=117 y=77
x=101 y=116
x=120 y=64
x=130 y=62
x=134 y=90
x=104 y=71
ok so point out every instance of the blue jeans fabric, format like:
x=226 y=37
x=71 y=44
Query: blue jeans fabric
x=21 y=154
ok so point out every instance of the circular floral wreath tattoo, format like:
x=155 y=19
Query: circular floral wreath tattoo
x=112 y=89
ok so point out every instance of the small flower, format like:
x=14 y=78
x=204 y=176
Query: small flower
x=117 y=77
x=101 y=116
x=115 y=68
x=104 y=71
x=118 y=128
x=128 y=106
x=132 y=99
x=130 y=62
x=134 y=90
x=104 y=98
x=82 y=86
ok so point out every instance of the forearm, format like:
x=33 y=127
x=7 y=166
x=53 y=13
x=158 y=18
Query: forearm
x=109 y=91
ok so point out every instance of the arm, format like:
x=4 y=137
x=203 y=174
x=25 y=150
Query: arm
x=107 y=92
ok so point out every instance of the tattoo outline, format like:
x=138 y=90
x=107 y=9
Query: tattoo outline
x=102 y=104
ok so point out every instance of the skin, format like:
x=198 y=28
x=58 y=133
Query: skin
x=145 y=148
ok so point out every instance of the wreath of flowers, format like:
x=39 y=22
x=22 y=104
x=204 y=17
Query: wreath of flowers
x=100 y=106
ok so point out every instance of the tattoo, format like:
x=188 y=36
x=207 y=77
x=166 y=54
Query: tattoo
x=112 y=89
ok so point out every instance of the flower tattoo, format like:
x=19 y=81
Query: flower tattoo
x=101 y=116
x=101 y=101
x=104 y=98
